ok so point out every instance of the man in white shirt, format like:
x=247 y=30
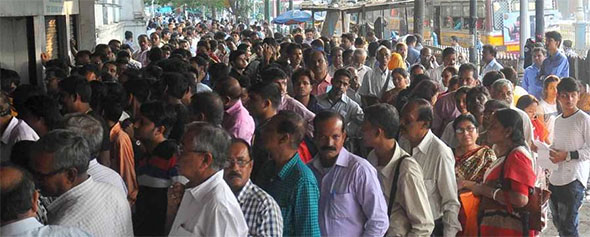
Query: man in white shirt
x=358 y=62
x=502 y=90
x=489 y=62
x=379 y=130
x=59 y=163
x=377 y=80
x=571 y=152
x=208 y=206
x=12 y=129
x=19 y=199
x=437 y=162
x=449 y=56
x=91 y=130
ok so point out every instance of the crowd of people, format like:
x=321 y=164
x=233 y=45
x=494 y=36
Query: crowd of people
x=209 y=128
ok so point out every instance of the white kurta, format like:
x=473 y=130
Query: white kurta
x=209 y=209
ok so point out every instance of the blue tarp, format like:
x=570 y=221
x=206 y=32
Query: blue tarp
x=166 y=9
x=292 y=17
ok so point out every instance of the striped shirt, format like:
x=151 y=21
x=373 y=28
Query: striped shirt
x=261 y=211
x=103 y=174
x=295 y=189
x=93 y=207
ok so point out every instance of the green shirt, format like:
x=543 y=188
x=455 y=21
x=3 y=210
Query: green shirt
x=296 y=190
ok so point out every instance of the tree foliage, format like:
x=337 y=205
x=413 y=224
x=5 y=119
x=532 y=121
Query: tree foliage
x=238 y=8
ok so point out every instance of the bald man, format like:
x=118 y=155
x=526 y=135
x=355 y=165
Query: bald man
x=19 y=207
x=236 y=119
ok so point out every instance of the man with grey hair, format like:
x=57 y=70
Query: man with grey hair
x=19 y=198
x=502 y=90
x=377 y=80
x=358 y=62
x=60 y=163
x=91 y=129
x=208 y=206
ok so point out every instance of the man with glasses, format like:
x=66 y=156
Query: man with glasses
x=261 y=211
x=59 y=164
x=208 y=206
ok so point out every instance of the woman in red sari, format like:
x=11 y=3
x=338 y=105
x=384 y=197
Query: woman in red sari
x=499 y=218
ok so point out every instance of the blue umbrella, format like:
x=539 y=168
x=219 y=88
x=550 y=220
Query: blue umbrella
x=292 y=17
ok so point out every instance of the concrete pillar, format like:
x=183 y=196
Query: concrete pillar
x=419 y=17
x=524 y=31
x=580 y=26
x=87 y=39
x=539 y=20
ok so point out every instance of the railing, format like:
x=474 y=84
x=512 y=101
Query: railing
x=579 y=64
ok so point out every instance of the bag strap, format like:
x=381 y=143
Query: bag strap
x=394 y=184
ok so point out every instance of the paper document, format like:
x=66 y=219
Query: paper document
x=543 y=156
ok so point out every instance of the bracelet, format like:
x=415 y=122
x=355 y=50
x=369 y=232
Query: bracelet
x=495 y=192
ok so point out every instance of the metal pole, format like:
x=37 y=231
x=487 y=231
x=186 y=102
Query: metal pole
x=539 y=20
x=267 y=10
x=580 y=26
x=290 y=4
x=524 y=30
x=278 y=8
x=419 y=17
x=473 y=56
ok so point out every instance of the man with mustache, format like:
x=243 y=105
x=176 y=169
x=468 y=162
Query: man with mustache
x=261 y=211
x=351 y=201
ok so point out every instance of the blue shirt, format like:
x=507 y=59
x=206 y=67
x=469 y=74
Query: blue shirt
x=556 y=65
x=531 y=81
x=413 y=56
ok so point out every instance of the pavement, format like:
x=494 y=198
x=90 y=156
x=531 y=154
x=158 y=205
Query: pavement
x=583 y=228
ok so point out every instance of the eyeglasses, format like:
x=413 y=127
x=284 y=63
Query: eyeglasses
x=463 y=130
x=241 y=163
x=42 y=176
x=181 y=150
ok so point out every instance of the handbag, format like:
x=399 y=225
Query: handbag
x=531 y=215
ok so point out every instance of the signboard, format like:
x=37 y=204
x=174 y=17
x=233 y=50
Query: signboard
x=54 y=7
x=511 y=28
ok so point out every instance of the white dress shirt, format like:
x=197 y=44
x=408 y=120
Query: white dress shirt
x=411 y=214
x=491 y=66
x=30 y=227
x=360 y=73
x=98 y=208
x=438 y=167
x=103 y=174
x=17 y=130
x=374 y=82
x=209 y=209
x=572 y=134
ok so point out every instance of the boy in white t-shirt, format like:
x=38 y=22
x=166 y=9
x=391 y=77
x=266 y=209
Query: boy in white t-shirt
x=571 y=152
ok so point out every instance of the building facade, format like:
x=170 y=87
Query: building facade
x=32 y=27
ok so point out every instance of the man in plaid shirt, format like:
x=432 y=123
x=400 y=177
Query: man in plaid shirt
x=261 y=211
x=286 y=178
